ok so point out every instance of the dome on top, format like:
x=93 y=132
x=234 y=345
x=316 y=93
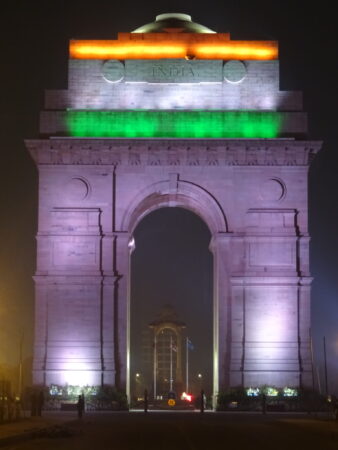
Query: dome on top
x=173 y=23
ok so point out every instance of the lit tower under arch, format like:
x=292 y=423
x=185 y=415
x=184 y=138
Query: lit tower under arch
x=168 y=351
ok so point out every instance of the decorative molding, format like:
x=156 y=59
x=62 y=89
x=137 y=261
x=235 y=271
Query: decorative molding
x=173 y=152
x=249 y=280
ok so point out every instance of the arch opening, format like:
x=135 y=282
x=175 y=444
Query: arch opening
x=171 y=305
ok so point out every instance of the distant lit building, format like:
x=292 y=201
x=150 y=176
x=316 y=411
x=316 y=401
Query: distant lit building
x=168 y=351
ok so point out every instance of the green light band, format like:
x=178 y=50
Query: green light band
x=174 y=124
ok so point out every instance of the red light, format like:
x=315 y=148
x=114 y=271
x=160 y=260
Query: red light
x=186 y=397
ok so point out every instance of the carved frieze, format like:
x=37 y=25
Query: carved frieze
x=164 y=152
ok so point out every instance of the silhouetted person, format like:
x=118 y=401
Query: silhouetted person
x=80 y=406
x=2 y=411
x=202 y=405
x=145 y=401
x=34 y=401
x=264 y=404
x=334 y=406
x=9 y=408
x=17 y=409
x=40 y=403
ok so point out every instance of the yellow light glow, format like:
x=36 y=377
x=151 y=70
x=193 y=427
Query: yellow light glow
x=156 y=49
x=93 y=51
x=236 y=51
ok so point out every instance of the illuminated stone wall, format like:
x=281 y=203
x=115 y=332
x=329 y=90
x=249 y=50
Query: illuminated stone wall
x=258 y=89
x=253 y=197
x=174 y=124
x=104 y=165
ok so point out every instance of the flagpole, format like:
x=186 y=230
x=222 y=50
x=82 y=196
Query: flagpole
x=319 y=383
x=155 y=368
x=312 y=360
x=20 y=365
x=187 y=366
x=325 y=368
x=171 y=363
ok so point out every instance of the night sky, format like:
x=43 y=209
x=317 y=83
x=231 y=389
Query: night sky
x=34 y=57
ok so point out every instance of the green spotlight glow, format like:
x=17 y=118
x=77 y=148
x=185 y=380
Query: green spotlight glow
x=174 y=124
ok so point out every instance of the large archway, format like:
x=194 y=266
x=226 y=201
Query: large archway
x=171 y=265
x=174 y=192
x=230 y=150
x=260 y=286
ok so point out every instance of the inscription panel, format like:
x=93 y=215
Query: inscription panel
x=75 y=220
x=279 y=254
x=173 y=71
x=75 y=252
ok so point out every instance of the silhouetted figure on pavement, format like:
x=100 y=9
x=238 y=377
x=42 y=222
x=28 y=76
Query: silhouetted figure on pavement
x=80 y=406
x=145 y=401
x=334 y=402
x=202 y=401
x=17 y=409
x=34 y=401
x=264 y=404
x=40 y=403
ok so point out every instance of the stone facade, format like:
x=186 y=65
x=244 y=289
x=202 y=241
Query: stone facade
x=252 y=194
x=258 y=90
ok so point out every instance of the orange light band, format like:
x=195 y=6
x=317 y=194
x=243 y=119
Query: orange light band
x=257 y=50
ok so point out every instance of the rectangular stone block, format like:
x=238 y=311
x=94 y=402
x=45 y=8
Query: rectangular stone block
x=278 y=254
x=173 y=71
x=74 y=253
x=75 y=220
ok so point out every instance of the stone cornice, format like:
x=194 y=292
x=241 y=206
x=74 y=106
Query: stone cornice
x=173 y=152
x=273 y=280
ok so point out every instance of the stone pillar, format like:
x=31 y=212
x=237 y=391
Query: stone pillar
x=237 y=332
x=107 y=311
x=268 y=345
x=220 y=247
x=40 y=336
x=69 y=298
x=304 y=311
x=121 y=252
x=269 y=306
x=68 y=334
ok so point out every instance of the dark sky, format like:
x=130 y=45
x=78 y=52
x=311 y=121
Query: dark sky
x=34 y=57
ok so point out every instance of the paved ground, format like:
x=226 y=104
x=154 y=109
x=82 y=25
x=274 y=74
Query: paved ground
x=188 y=431
x=28 y=426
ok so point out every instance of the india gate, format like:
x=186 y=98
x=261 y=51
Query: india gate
x=173 y=114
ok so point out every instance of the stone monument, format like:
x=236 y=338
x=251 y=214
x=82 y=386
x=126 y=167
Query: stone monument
x=173 y=114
